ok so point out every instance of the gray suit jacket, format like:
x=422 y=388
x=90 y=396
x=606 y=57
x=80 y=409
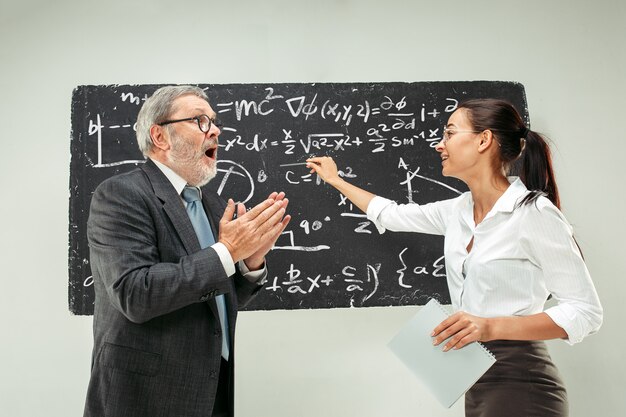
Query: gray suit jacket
x=157 y=338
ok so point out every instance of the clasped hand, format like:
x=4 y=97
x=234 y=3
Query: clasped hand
x=462 y=329
x=253 y=233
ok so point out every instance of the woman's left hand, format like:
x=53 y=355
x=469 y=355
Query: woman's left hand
x=463 y=328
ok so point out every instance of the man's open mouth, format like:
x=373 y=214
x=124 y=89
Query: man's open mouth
x=211 y=153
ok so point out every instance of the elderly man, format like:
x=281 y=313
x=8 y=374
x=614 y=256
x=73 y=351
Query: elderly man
x=171 y=267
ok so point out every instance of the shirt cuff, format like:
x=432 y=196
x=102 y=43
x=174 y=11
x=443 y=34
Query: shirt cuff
x=256 y=277
x=227 y=260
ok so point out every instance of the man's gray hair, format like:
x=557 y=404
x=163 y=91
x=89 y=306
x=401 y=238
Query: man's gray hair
x=158 y=108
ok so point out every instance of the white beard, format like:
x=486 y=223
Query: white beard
x=186 y=161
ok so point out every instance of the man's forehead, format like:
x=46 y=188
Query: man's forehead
x=191 y=102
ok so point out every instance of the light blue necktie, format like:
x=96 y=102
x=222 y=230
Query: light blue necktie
x=202 y=227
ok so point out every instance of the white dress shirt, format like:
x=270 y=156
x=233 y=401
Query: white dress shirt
x=520 y=255
x=227 y=261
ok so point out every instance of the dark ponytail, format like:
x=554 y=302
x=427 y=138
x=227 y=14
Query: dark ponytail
x=535 y=170
x=522 y=152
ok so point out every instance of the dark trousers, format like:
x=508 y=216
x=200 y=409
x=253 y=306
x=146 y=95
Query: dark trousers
x=522 y=383
x=222 y=405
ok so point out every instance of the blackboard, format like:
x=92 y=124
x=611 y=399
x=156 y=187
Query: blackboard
x=382 y=136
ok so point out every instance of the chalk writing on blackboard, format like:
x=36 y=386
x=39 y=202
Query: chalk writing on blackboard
x=382 y=136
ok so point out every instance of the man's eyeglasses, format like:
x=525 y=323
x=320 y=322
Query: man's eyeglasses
x=204 y=122
x=448 y=133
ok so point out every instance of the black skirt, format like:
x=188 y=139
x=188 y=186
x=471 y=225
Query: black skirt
x=523 y=382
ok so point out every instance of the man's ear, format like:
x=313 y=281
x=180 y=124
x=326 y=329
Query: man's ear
x=159 y=137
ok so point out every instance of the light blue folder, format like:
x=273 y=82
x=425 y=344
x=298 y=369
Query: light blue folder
x=448 y=375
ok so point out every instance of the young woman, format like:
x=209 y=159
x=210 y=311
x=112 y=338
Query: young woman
x=507 y=249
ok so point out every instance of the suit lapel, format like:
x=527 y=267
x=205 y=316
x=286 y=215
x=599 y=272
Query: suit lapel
x=172 y=206
x=214 y=208
x=175 y=211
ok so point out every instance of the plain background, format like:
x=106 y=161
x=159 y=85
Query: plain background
x=569 y=55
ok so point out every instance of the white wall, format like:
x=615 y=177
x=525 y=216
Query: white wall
x=569 y=55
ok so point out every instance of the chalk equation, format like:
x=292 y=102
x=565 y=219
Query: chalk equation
x=382 y=136
x=388 y=126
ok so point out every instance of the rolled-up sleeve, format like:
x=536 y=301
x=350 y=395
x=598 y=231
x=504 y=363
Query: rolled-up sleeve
x=549 y=241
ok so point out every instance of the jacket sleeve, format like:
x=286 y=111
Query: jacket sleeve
x=138 y=262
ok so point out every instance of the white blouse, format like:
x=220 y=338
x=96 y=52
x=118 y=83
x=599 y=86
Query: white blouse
x=520 y=255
